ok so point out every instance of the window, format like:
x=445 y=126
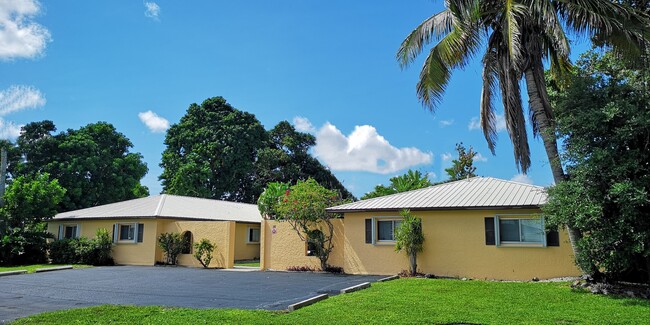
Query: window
x=314 y=238
x=253 y=235
x=386 y=229
x=68 y=231
x=187 y=243
x=128 y=232
x=520 y=231
x=381 y=230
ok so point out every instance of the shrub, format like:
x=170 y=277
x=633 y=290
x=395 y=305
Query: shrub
x=334 y=269
x=203 y=252
x=83 y=250
x=301 y=268
x=172 y=245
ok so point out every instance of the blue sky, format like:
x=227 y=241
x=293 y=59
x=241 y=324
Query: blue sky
x=327 y=66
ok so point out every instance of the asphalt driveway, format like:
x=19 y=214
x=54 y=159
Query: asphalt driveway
x=27 y=294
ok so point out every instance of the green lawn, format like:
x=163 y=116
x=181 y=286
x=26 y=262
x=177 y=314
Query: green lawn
x=412 y=301
x=254 y=263
x=33 y=267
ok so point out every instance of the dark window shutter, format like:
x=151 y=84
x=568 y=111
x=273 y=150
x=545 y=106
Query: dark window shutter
x=553 y=238
x=368 y=231
x=140 y=232
x=489 y=231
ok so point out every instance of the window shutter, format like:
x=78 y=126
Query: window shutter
x=553 y=238
x=60 y=232
x=368 y=231
x=140 y=232
x=115 y=233
x=489 y=231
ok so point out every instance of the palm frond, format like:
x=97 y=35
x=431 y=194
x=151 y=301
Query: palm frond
x=433 y=28
x=490 y=84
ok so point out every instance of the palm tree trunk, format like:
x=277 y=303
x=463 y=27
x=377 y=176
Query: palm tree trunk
x=542 y=115
x=414 y=264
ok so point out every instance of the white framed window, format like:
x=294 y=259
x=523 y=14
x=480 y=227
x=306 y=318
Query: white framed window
x=519 y=230
x=253 y=235
x=383 y=229
x=128 y=232
x=69 y=231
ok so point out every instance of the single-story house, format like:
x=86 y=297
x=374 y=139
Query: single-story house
x=481 y=227
x=136 y=225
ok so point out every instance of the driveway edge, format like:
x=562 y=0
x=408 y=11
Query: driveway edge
x=16 y=272
x=49 y=269
x=307 y=302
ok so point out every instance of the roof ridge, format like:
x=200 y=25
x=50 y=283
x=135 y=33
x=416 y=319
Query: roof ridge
x=208 y=199
x=515 y=182
x=161 y=203
x=418 y=189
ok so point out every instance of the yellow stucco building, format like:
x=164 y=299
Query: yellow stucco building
x=482 y=228
x=136 y=225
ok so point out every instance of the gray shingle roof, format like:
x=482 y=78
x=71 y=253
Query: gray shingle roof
x=473 y=193
x=169 y=206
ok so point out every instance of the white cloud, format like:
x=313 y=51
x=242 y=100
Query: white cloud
x=17 y=98
x=431 y=175
x=20 y=37
x=152 y=10
x=446 y=156
x=155 y=123
x=475 y=123
x=522 y=178
x=445 y=123
x=9 y=130
x=302 y=124
x=364 y=150
x=480 y=157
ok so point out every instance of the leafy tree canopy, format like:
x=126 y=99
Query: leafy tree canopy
x=219 y=152
x=286 y=159
x=411 y=180
x=211 y=153
x=604 y=118
x=463 y=166
x=92 y=163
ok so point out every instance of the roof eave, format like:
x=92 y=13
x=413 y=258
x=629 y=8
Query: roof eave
x=518 y=207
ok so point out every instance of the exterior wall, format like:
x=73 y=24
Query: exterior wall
x=243 y=249
x=282 y=248
x=220 y=233
x=123 y=253
x=455 y=246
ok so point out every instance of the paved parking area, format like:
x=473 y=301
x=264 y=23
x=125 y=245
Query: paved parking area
x=27 y=294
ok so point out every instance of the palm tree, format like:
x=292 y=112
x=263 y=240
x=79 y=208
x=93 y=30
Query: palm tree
x=518 y=35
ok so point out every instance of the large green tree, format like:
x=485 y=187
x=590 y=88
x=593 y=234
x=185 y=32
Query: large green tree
x=604 y=117
x=92 y=163
x=286 y=158
x=211 y=153
x=517 y=36
x=411 y=180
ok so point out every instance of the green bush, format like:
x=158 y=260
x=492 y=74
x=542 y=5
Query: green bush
x=172 y=245
x=203 y=252
x=83 y=250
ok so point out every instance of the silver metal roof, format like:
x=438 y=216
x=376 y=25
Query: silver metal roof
x=472 y=193
x=169 y=206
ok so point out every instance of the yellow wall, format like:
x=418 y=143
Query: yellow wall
x=455 y=246
x=123 y=253
x=243 y=249
x=221 y=233
x=282 y=248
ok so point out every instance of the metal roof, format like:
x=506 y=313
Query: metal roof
x=472 y=193
x=169 y=206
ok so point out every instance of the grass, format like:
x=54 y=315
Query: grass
x=412 y=301
x=253 y=263
x=33 y=267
